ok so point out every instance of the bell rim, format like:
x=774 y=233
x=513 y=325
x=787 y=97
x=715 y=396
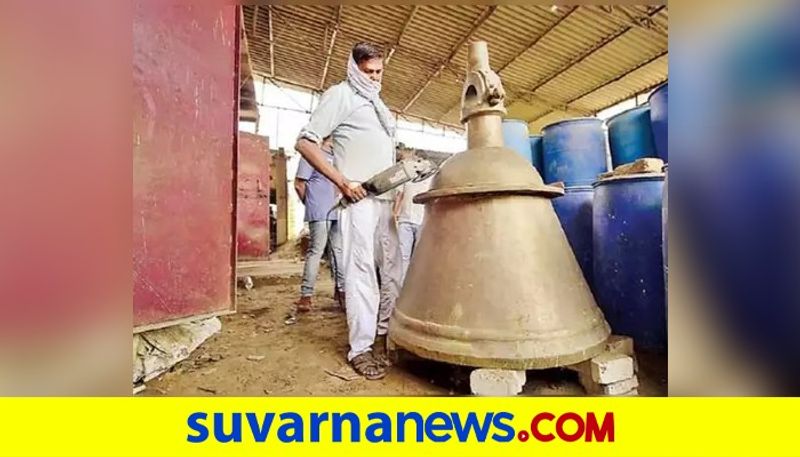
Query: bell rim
x=456 y=333
x=489 y=190
x=524 y=363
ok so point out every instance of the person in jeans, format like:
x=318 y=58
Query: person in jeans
x=318 y=194
x=409 y=216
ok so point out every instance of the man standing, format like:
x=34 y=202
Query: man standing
x=409 y=216
x=363 y=129
x=318 y=195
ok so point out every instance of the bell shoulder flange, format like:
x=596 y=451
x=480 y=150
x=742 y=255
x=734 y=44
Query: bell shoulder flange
x=488 y=171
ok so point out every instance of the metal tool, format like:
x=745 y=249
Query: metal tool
x=423 y=165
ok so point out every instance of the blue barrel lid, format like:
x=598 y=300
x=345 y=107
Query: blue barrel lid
x=642 y=107
x=579 y=188
x=571 y=120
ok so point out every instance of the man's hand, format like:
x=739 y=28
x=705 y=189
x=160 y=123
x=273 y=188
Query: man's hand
x=352 y=191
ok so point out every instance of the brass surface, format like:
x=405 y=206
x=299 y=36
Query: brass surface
x=493 y=281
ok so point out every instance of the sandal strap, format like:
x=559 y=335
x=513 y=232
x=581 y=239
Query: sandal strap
x=363 y=362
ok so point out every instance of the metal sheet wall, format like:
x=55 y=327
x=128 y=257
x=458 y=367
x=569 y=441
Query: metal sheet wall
x=252 y=238
x=185 y=74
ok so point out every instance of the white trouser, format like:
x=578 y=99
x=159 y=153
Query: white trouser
x=369 y=238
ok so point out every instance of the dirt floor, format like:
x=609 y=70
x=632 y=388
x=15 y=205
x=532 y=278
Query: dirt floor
x=257 y=353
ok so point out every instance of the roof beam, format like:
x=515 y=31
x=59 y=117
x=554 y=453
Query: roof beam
x=314 y=89
x=459 y=128
x=255 y=19
x=476 y=24
x=539 y=38
x=589 y=52
x=645 y=22
x=609 y=82
x=553 y=105
x=402 y=32
x=524 y=50
x=285 y=14
x=619 y=77
x=514 y=94
x=284 y=19
x=271 y=43
x=338 y=16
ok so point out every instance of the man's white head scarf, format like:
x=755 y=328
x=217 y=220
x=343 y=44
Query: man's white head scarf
x=370 y=90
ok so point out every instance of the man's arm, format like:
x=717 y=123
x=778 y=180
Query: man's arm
x=330 y=112
x=398 y=202
x=316 y=158
x=300 y=188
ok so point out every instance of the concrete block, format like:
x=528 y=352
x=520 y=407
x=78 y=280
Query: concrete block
x=631 y=393
x=646 y=165
x=618 y=344
x=620 y=387
x=496 y=383
x=591 y=387
x=608 y=368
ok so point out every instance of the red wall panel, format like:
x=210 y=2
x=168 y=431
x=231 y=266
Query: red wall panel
x=253 y=196
x=185 y=72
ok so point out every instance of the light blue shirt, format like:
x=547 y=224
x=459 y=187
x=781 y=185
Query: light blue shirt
x=361 y=146
x=320 y=192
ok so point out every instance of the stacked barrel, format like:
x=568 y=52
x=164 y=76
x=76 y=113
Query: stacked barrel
x=517 y=138
x=614 y=223
x=574 y=153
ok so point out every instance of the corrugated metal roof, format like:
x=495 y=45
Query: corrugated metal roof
x=554 y=62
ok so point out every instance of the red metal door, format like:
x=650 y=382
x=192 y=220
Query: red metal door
x=185 y=72
x=253 y=196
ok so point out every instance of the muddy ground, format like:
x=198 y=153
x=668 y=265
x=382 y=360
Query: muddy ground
x=257 y=353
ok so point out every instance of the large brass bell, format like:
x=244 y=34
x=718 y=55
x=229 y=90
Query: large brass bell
x=493 y=281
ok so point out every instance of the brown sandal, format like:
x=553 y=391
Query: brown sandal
x=383 y=360
x=366 y=365
x=380 y=352
x=303 y=305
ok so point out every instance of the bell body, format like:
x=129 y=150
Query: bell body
x=493 y=281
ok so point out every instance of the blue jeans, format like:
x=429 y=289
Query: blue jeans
x=320 y=238
x=408 y=232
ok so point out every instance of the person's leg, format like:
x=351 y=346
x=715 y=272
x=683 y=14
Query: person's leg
x=391 y=265
x=417 y=229
x=357 y=225
x=328 y=254
x=405 y=234
x=336 y=257
x=316 y=247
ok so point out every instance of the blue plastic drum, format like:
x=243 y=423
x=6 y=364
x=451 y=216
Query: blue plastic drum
x=658 y=119
x=536 y=151
x=574 y=210
x=630 y=136
x=515 y=137
x=574 y=151
x=628 y=264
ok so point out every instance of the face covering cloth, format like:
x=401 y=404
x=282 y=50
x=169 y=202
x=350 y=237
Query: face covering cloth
x=370 y=90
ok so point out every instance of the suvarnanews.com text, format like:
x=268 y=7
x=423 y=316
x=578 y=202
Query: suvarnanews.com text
x=379 y=427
